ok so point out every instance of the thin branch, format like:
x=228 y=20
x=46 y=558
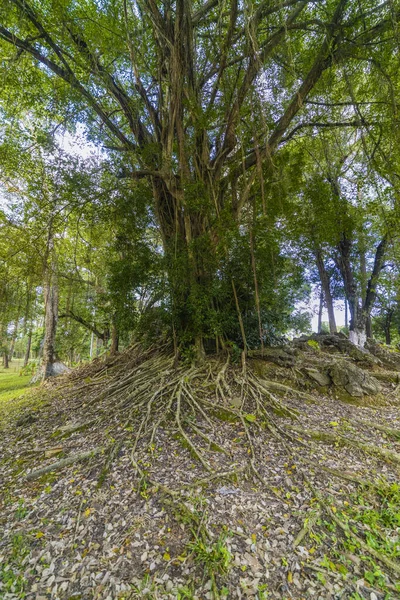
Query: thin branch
x=70 y=78
x=338 y=124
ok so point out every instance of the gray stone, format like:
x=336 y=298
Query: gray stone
x=353 y=380
x=321 y=378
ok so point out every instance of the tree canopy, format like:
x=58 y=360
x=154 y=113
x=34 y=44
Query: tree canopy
x=247 y=152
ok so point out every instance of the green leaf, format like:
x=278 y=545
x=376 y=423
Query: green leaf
x=249 y=417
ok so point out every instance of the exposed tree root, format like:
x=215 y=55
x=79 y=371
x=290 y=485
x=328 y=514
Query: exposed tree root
x=331 y=438
x=390 y=431
x=60 y=464
x=155 y=394
x=143 y=395
x=345 y=476
x=308 y=525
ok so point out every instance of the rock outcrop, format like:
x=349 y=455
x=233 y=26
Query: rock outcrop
x=354 y=381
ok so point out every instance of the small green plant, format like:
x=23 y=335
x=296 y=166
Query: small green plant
x=10 y=577
x=372 y=514
x=185 y=593
x=21 y=511
x=29 y=369
x=213 y=556
x=146 y=588
x=314 y=345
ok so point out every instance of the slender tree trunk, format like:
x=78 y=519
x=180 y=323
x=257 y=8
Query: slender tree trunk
x=51 y=318
x=50 y=367
x=357 y=330
x=321 y=307
x=387 y=326
x=5 y=358
x=360 y=315
x=114 y=340
x=28 y=348
x=13 y=339
x=371 y=293
x=326 y=289
x=346 y=314
x=91 y=345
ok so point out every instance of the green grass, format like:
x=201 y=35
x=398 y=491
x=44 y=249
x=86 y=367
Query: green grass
x=13 y=390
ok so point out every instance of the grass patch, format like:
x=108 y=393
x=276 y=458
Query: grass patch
x=14 y=391
x=12 y=579
x=371 y=522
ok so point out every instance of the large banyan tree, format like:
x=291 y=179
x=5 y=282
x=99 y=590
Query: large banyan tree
x=199 y=100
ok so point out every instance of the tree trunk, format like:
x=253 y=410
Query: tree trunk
x=358 y=317
x=91 y=345
x=388 y=337
x=51 y=318
x=321 y=307
x=368 y=328
x=28 y=349
x=50 y=366
x=114 y=340
x=5 y=357
x=326 y=289
x=387 y=326
x=343 y=263
x=13 y=339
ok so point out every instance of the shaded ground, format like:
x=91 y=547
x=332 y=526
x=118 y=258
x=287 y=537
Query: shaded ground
x=301 y=499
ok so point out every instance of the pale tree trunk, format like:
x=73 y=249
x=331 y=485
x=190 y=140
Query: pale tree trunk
x=326 y=289
x=368 y=327
x=360 y=315
x=321 y=307
x=357 y=332
x=28 y=348
x=91 y=345
x=50 y=367
x=50 y=321
x=13 y=339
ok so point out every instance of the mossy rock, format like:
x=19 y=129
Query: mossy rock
x=387 y=376
x=321 y=378
x=353 y=381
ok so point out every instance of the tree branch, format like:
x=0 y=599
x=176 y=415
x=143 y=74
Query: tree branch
x=354 y=123
x=69 y=314
x=70 y=78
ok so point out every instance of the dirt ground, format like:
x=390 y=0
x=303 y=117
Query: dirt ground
x=299 y=501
